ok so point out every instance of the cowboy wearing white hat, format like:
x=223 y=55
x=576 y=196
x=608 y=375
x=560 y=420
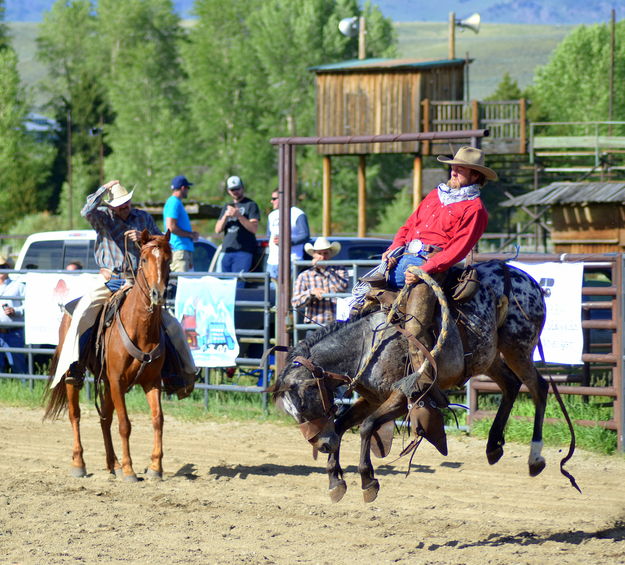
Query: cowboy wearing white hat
x=440 y=233
x=110 y=212
x=313 y=284
x=321 y=245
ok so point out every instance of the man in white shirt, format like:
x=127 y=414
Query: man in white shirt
x=300 y=234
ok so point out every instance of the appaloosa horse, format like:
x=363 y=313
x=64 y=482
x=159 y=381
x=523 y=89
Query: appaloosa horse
x=483 y=339
x=132 y=354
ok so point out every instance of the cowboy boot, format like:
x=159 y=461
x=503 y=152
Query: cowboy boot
x=420 y=308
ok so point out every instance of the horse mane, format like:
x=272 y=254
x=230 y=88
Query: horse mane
x=303 y=347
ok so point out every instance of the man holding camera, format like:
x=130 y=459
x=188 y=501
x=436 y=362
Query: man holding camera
x=239 y=223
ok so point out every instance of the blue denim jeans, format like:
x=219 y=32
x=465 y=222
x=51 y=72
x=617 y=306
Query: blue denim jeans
x=237 y=262
x=397 y=275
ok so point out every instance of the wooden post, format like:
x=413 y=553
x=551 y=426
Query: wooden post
x=475 y=114
x=523 y=124
x=326 y=228
x=362 y=196
x=425 y=127
x=417 y=181
x=452 y=36
x=362 y=34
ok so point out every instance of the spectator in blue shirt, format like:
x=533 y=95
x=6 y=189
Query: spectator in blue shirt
x=178 y=223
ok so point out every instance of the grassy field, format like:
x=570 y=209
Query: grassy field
x=228 y=406
x=498 y=48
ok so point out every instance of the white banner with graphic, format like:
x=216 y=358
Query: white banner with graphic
x=44 y=297
x=205 y=309
x=562 y=339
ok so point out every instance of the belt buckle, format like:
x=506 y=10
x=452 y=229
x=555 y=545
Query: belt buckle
x=415 y=246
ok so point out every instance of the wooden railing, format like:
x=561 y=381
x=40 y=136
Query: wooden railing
x=506 y=121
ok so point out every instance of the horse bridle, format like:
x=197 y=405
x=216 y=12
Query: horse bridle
x=312 y=428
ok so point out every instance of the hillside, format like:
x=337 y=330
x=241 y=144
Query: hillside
x=552 y=12
x=497 y=48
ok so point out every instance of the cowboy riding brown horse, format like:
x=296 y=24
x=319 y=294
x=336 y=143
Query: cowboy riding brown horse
x=132 y=353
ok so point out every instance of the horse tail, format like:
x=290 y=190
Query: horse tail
x=55 y=398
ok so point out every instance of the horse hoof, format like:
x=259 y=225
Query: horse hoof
x=338 y=492
x=130 y=478
x=537 y=467
x=153 y=475
x=495 y=455
x=117 y=473
x=371 y=492
x=78 y=472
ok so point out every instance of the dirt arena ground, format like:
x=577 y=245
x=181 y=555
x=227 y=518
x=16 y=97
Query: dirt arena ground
x=251 y=493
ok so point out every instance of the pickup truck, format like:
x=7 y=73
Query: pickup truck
x=53 y=250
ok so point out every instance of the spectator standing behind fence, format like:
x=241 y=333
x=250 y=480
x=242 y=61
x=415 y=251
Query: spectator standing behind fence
x=178 y=223
x=300 y=234
x=11 y=311
x=239 y=223
x=313 y=283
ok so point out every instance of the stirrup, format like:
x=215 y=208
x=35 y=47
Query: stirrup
x=75 y=375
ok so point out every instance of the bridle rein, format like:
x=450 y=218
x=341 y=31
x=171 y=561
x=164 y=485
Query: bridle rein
x=312 y=428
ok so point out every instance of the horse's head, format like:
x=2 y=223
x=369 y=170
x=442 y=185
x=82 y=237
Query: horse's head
x=306 y=392
x=154 y=266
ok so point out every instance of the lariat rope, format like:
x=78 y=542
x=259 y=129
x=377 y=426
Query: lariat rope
x=407 y=384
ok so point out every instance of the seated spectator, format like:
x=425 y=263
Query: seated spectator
x=11 y=310
x=314 y=283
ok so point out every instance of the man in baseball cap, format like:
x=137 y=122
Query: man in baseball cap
x=178 y=223
x=238 y=222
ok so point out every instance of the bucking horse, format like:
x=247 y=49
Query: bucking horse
x=493 y=333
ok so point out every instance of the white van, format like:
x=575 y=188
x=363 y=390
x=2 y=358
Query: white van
x=53 y=250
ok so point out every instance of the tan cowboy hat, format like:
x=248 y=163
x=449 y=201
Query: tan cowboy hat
x=4 y=260
x=471 y=158
x=321 y=244
x=117 y=195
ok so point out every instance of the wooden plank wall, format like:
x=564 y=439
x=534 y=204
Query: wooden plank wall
x=371 y=103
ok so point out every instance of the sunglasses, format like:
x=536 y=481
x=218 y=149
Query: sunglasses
x=235 y=189
x=275 y=198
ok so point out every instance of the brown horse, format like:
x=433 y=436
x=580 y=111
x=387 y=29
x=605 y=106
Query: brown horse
x=132 y=354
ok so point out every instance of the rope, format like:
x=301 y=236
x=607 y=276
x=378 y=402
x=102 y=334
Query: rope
x=408 y=384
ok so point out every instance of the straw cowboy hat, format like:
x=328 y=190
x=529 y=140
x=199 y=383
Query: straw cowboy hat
x=321 y=244
x=471 y=158
x=117 y=195
x=4 y=260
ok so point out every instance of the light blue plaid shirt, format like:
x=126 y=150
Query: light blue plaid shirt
x=109 y=245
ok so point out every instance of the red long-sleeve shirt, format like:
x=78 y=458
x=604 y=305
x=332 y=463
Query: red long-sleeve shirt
x=456 y=228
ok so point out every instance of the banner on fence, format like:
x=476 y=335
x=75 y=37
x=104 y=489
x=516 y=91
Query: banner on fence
x=562 y=339
x=205 y=308
x=44 y=297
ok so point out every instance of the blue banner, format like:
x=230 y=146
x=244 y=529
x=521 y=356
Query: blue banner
x=205 y=309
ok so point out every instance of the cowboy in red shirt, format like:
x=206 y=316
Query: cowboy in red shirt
x=441 y=232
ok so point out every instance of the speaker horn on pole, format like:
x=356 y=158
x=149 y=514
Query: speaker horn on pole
x=472 y=22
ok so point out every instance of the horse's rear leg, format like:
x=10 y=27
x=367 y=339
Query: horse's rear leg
x=524 y=368
x=79 y=469
x=350 y=418
x=155 y=470
x=509 y=385
x=393 y=407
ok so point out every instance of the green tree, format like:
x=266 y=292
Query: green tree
x=70 y=44
x=5 y=41
x=23 y=161
x=507 y=89
x=574 y=84
x=151 y=138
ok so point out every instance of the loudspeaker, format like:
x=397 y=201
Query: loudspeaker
x=472 y=22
